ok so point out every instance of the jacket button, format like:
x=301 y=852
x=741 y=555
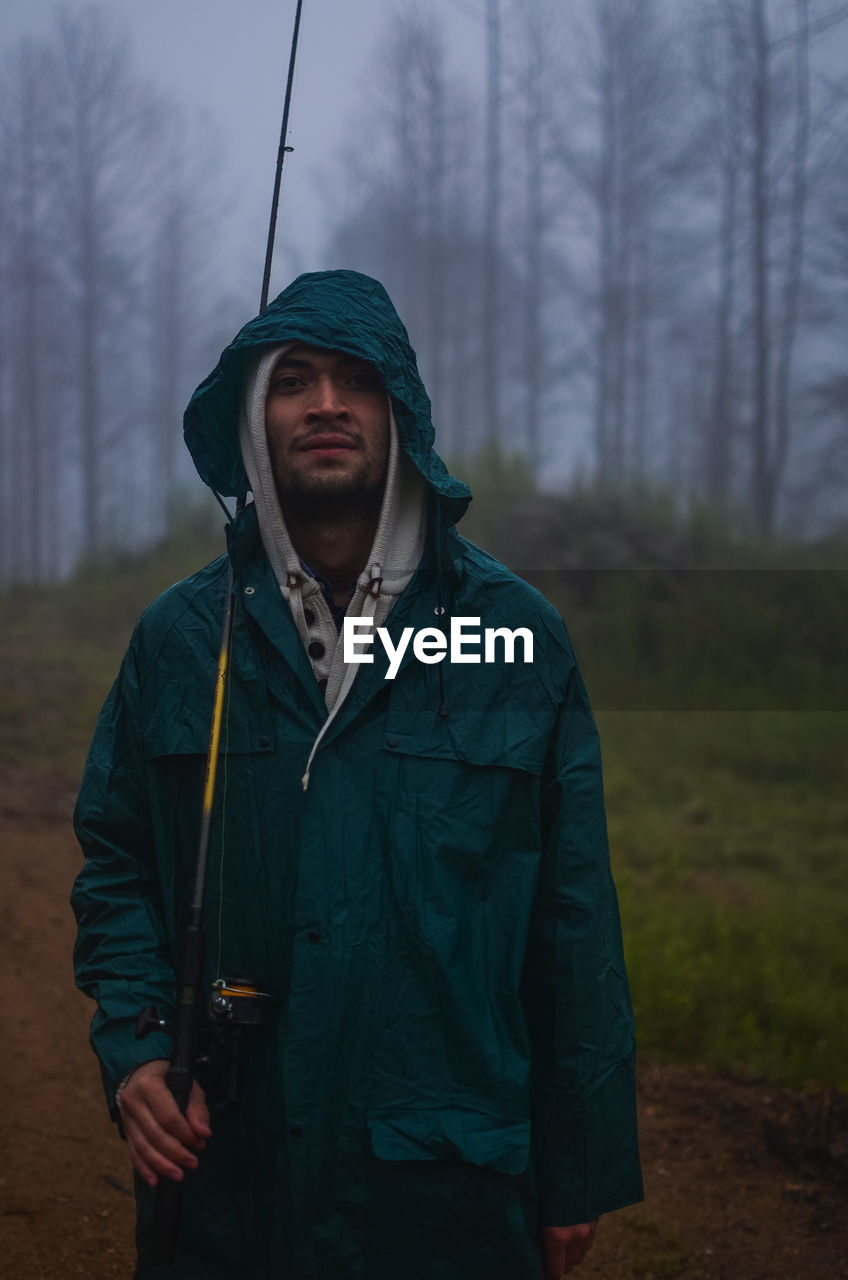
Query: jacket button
x=392 y=742
x=264 y=742
x=296 y=1131
x=309 y=617
x=313 y=935
x=316 y=649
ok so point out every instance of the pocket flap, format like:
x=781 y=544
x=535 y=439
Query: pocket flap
x=492 y=745
x=446 y=1134
x=178 y=717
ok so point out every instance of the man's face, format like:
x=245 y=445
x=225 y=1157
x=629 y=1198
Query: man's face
x=327 y=424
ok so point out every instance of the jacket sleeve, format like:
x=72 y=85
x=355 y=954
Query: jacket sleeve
x=575 y=991
x=121 y=959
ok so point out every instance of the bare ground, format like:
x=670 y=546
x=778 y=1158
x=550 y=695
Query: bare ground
x=743 y=1181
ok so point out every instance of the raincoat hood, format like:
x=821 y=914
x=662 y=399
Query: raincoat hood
x=342 y=311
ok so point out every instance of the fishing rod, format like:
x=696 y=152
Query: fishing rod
x=281 y=152
x=236 y=1003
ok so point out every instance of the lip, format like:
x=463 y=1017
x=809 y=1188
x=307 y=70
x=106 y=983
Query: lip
x=328 y=444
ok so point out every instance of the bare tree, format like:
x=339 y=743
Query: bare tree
x=415 y=218
x=30 y=333
x=104 y=131
x=761 y=225
x=795 y=252
x=625 y=167
x=183 y=220
x=768 y=129
x=723 y=78
x=100 y=258
x=491 y=293
x=532 y=86
x=657 y=290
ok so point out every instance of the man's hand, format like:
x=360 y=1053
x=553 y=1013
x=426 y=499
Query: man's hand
x=161 y=1140
x=564 y=1248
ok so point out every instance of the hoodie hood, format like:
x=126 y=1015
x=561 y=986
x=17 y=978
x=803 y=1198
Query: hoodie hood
x=342 y=311
x=393 y=558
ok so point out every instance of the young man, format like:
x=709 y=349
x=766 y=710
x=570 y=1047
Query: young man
x=408 y=854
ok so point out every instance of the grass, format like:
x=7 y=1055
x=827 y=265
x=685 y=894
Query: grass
x=727 y=832
x=722 y=703
x=725 y=779
x=60 y=649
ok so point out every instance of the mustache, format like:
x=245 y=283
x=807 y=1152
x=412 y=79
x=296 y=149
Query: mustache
x=304 y=440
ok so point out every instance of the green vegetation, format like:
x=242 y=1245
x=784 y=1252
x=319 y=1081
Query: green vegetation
x=61 y=646
x=727 y=832
x=721 y=701
x=722 y=697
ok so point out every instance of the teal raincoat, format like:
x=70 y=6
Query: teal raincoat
x=449 y=1061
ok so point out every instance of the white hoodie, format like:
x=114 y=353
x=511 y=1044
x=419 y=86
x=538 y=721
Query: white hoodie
x=394 y=556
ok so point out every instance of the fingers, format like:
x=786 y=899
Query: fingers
x=579 y=1246
x=197 y=1113
x=154 y=1157
x=161 y=1141
x=564 y=1248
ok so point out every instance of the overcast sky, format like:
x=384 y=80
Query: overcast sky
x=231 y=60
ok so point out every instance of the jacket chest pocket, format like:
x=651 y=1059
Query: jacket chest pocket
x=465 y=794
x=178 y=717
x=177 y=721
x=463 y=841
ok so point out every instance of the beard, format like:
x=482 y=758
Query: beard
x=331 y=500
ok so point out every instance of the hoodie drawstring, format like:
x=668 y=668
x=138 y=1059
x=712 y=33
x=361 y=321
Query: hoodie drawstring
x=369 y=605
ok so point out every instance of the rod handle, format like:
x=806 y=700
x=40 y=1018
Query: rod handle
x=167 y=1202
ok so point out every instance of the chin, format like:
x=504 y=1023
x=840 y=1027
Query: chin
x=331 y=495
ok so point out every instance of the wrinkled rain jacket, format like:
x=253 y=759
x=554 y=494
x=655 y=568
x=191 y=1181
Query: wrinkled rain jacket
x=449 y=1062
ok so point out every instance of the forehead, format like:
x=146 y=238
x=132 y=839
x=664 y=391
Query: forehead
x=303 y=356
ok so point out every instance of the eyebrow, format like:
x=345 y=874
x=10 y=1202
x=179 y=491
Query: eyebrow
x=292 y=362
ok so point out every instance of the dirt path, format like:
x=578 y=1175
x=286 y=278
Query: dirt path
x=743 y=1182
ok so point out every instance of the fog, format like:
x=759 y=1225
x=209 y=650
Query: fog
x=228 y=66
x=616 y=231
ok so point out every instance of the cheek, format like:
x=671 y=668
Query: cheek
x=278 y=431
x=381 y=433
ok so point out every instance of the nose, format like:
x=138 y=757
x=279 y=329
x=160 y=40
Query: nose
x=328 y=402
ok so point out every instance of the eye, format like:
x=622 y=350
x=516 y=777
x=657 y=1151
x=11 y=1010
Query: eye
x=366 y=380
x=286 y=382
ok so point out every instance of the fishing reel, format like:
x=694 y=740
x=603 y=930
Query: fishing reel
x=236 y=1009
x=238 y=1002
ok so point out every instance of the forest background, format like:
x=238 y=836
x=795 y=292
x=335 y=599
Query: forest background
x=624 y=265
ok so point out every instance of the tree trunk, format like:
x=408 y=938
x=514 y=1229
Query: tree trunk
x=762 y=477
x=491 y=277
x=606 y=256
x=794 y=270
x=720 y=423
x=534 y=226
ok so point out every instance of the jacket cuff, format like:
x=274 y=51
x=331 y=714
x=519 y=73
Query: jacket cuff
x=587 y=1158
x=119 y=1060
